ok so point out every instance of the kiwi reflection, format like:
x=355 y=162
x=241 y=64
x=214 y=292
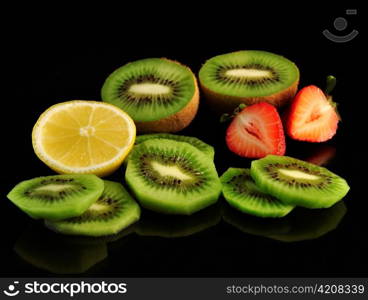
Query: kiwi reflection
x=299 y=225
x=52 y=252
x=174 y=226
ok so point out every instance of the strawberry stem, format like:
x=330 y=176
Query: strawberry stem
x=330 y=84
x=226 y=117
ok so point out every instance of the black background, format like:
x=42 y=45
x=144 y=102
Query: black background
x=65 y=58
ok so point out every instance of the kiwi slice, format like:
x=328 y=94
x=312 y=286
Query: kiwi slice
x=172 y=177
x=248 y=77
x=160 y=95
x=297 y=182
x=57 y=197
x=202 y=146
x=45 y=250
x=113 y=211
x=241 y=192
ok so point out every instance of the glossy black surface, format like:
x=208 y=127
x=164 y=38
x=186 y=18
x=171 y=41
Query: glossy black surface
x=51 y=68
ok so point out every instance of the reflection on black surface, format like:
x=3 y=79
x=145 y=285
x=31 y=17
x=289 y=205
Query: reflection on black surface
x=301 y=224
x=53 y=252
x=170 y=226
x=321 y=155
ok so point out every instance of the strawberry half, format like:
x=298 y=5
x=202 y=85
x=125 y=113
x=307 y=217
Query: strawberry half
x=312 y=116
x=256 y=131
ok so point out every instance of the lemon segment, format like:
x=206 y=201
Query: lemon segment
x=83 y=137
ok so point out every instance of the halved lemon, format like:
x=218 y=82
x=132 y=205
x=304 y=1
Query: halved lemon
x=83 y=137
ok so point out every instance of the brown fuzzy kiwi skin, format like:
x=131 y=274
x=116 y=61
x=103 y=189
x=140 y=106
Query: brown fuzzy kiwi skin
x=177 y=121
x=225 y=103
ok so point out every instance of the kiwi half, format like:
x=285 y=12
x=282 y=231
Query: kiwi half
x=172 y=177
x=113 y=211
x=248 y=77
x=160 y=95
x=57 y=197
x=297 y=182
x=241 y=192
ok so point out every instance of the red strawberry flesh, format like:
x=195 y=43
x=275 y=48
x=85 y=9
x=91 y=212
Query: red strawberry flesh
x=256 y=131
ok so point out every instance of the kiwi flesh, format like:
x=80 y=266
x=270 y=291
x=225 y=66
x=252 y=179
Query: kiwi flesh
x=46 y=250
x=202 y=146
x=172 y=177
x=57 y=197
x=241 y=192
x=113 y=211
x=249 y=77
x=159 y=94
x=297 y=182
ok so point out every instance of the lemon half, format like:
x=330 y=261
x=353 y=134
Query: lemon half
x=83 y=137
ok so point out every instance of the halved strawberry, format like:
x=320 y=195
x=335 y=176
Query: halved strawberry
x=312 y=116
x=256 y=131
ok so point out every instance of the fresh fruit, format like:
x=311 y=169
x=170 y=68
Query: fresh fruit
x=241 y=192
x=248 y=77
x=256 y=131
x=113 y=211
x=57 y=197
x=312 y=116
x=205 y=148
x=172 y=177
x=297 y=182
x=83 y=137
x=160 y=95
x=46 y=250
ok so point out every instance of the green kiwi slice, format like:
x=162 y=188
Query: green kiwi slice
x=56 y=197
x=150 y=89
x=113 y=211
x=172 y=177
x=205 y=148
x=297 y=182
x=241 y=192
x=248 y=77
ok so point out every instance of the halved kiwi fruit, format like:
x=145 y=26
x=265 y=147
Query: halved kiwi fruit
x=297 y=182
x=113 y=211
x=57 y=197
x=172 y=177
x=248 y=77
x=160 y=95
x=241 y=192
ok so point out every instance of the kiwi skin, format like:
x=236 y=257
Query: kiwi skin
x=177 y=121
x=224 y=103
